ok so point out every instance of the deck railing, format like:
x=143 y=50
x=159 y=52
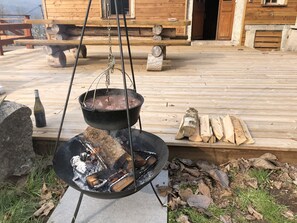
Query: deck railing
x=12 y=27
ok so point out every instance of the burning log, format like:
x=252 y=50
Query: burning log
x=108 y=148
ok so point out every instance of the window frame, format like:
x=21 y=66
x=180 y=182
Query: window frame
x=129 y=15
x=279 y=3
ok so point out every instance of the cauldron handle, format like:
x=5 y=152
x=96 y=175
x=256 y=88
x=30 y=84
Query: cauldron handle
x=108 y=69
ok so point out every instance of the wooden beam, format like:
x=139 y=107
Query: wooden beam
x=135 y=42
x=10 y=26
x=105 y=22
x=11 y=40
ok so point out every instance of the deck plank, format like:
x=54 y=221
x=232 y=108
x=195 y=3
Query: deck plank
x=261 y=88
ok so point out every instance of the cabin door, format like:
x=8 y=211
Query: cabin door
x=225 y=20
x=198 y=19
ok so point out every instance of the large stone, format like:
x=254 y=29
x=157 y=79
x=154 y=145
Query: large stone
x=16 y=149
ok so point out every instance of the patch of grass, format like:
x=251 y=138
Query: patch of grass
x=261 y=175
x=264 y=204
x=197 y=217
x=193 y=215
x=19 y=202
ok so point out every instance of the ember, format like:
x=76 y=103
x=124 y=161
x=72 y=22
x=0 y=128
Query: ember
x=104 y=165
x=111 y=102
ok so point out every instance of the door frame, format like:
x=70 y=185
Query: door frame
x=219 y=15
x=238 y=23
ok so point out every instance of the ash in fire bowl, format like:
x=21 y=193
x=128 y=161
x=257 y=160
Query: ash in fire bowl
x=111 y=102
x=104 y=165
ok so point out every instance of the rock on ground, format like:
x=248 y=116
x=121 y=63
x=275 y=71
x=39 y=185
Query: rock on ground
x=16 y=149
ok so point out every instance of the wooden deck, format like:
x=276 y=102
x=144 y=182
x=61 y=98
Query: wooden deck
x=261 y=88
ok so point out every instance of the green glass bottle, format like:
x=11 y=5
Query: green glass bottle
x=39 y=112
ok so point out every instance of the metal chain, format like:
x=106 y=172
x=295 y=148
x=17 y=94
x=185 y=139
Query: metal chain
x=111 y=58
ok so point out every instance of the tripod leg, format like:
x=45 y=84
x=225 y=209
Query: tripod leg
x=77 y=207
x=155 y=192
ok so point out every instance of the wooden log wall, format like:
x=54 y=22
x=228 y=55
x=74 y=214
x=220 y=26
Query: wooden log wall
x=257 y=14
x=144 y=10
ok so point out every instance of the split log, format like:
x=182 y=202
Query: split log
x=217 y=127
x=157 y=30
x=57 y=60
x=82 y=53
x=107 y=147
x=238 y=131
x=188 y=124
x=247 y=133
x=205 y=128
x=228 y=129
x=50 y=50
x=197 y=135
x=154 y=63
x=212 y=139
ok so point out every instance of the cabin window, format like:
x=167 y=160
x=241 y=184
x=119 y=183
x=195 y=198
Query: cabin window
x=126 y=5
x=274 y=2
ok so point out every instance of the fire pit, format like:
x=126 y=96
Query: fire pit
x=142 y=141
x=90 y=163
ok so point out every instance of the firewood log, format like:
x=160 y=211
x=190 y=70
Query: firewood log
x=238 y=130
x=217 y=127
x=228 y=129
x=247 y=133
x=205 y=128
x=122 y=184
x=106 y=146
x=197 y=135
x=188 y=124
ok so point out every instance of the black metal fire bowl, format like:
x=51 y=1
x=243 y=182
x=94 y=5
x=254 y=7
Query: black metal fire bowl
x=110 y=119
x=142 y=141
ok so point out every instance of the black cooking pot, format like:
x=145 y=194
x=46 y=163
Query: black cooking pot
x=110 y=119
x=141 y=141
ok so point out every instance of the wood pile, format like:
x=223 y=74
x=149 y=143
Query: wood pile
x=227 y=128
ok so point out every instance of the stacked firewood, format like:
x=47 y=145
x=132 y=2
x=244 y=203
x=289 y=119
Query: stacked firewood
x=212 y=129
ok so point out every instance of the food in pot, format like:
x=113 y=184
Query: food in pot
x=111 y=102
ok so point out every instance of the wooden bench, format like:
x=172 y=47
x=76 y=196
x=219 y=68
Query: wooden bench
x=65 y=34
x=13 y=28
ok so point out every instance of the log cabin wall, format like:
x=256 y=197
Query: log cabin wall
x=267 y=24
x=144 y=10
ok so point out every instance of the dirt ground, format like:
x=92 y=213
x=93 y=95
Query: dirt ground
x=261 y=189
